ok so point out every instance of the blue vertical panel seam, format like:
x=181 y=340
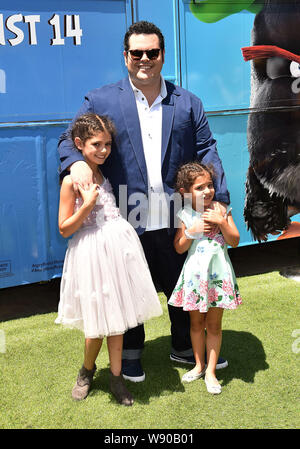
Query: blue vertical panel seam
x=43 y=220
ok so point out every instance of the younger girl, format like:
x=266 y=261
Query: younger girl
x=207 y=283
x=106 y=285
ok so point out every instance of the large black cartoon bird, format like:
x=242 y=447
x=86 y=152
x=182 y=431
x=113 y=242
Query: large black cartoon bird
x=273 y=178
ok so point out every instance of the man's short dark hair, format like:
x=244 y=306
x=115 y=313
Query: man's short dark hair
x=143 y=27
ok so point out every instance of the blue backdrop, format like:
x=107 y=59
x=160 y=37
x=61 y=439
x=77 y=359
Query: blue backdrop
x=51 y=54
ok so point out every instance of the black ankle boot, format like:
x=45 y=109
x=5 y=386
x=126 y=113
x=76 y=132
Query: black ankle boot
x=119 y=390
x=83 y=384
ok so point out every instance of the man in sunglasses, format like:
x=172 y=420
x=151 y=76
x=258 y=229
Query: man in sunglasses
x=159 y=127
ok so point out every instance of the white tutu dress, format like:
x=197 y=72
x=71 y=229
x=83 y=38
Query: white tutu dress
x=106 y=287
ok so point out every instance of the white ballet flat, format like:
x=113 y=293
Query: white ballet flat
x=213 y=389
x=190 y=377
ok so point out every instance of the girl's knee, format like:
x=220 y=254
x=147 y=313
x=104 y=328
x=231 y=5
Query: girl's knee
x=197 y=321
x=213 y=322
x=214 y=328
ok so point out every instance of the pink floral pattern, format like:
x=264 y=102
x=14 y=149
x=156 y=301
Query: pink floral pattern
x=203 y=287
x=178 y=298
x=227 y=286
x=212 y=295
x=220 y=239
x=190 y=301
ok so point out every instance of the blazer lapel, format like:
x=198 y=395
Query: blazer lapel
x=168 y=108
x=132 y=123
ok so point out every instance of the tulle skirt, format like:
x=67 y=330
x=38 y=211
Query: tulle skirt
x=106 y=286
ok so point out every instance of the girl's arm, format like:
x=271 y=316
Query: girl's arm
x=181 y=242
x=226 y=225
x=68 y=222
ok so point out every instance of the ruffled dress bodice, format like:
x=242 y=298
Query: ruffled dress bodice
x=104 y=210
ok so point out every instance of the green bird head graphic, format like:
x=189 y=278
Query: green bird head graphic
x=210 y=11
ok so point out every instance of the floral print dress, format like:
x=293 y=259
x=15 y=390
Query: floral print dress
x=207 y=278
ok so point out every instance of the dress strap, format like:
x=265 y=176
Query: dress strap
x=229 y=209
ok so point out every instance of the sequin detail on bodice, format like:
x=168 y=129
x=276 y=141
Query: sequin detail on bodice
x=105 y=208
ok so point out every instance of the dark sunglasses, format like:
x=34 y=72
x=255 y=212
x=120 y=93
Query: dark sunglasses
x=136 y=55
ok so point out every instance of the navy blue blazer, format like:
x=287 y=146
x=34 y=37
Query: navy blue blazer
x=186 y=136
